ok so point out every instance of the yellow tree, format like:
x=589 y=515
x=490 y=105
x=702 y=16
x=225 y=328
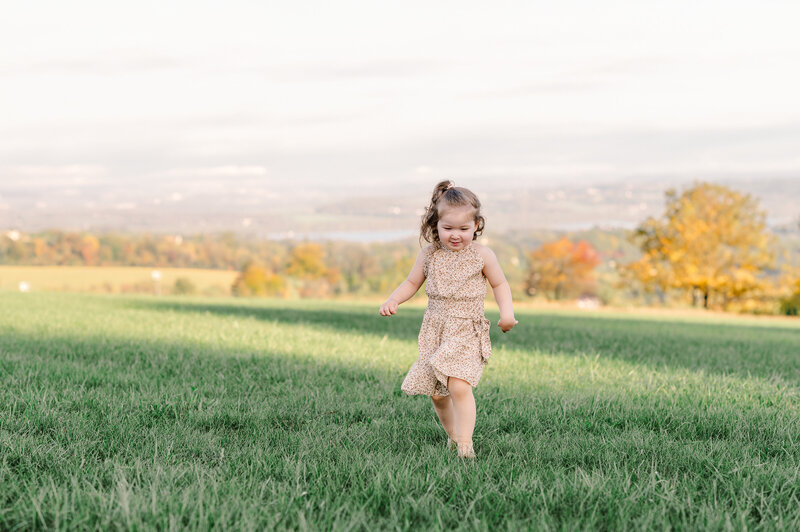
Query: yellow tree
x=256 y=280
x=562 y=267
x=307 y=261
x=711 y=242
x=651 y=271
x=307 y=264
x=90 y=249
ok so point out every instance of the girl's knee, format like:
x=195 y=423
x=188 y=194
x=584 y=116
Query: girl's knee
x=458 y=387
x=440 y=399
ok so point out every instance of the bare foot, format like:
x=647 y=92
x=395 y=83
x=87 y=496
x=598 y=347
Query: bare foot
x=465 y=450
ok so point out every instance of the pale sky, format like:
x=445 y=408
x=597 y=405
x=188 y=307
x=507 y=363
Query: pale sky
x=362 y=92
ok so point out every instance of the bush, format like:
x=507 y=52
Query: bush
x=256 y=280
x=790 y=306
x=184 y=287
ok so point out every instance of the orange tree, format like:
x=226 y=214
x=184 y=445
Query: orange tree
x=562 y=268
x=711 y=243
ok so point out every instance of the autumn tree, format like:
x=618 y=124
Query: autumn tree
x=710 y=243
x=90 y=249
x=307 y=265
x=307 y=261
x=562 y=268
x=257 y=280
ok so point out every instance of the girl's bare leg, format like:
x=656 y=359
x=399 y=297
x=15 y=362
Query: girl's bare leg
x=465 y=413
x=444 y=409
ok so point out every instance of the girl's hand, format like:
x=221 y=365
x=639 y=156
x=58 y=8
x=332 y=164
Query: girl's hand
x=506 y=324
x=389 y=308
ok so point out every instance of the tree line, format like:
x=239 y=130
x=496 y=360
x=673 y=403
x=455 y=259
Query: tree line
x=711 y=248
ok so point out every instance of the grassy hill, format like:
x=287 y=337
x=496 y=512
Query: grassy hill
x=140 y=412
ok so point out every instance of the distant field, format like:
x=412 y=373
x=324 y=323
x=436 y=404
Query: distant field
x=111 y=279
x=136 y=412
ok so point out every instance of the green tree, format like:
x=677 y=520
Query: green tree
x=184 y=287
x=789 y=288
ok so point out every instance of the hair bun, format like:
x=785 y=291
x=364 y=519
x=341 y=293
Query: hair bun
x=458 y=197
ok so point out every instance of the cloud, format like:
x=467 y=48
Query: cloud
x=569 y=152
x=216 y=171
x=76 y=175
x=554 y=86
x=582 y=78
x=388 y=68
x=119 y=63
x=626 y=66
x=260 y=120
x=69 y=170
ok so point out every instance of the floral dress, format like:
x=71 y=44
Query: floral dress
x=454 y=336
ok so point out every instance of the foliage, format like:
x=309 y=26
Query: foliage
x=307 y=261
x=562 y=268
x=184 y=287
x=312 y=277
x=90 y=249
x=351 y=269
x=257 y=280
x=711 y=243
x=790 y=303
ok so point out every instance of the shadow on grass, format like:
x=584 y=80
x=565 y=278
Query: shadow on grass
x=82 y=411
x=139 y=385
x=347 y=317
x=123 y=388
x=730 y=349
x=112 y=400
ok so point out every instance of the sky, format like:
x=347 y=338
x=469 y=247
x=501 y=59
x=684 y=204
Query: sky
x=359 y=94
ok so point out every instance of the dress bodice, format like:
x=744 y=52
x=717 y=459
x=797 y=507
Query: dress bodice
x=455 y=276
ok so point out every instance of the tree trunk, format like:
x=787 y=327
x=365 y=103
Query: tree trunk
x=705 y=299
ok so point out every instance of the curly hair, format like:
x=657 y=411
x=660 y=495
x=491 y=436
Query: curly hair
x=445 y=192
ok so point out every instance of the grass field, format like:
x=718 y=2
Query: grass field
x=121 y=412
x=112 y=279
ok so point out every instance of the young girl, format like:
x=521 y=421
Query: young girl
x=454 y=337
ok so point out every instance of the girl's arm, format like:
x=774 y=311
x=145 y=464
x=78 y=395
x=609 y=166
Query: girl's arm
x=500 y=287
x=407 y=288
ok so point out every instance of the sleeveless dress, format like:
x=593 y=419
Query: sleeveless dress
x=454 y=336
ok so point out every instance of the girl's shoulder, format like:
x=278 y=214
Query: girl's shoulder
x=428 y=250
x=485 y=252
x=482 y=249
x=426 y=254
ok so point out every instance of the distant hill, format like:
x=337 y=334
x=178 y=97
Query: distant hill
x=263 y=209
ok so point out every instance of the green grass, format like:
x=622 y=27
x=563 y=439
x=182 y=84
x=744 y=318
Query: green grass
x=137 y=412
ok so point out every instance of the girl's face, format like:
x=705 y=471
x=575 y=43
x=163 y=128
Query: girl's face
x=456 y=226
